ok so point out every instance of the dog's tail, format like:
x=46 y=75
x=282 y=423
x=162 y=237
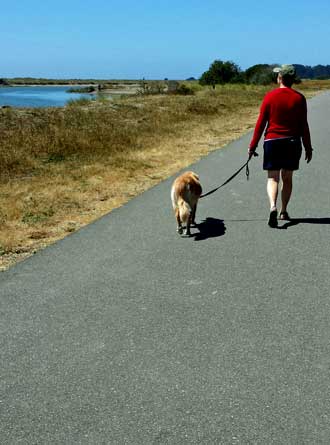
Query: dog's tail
x=184 y=210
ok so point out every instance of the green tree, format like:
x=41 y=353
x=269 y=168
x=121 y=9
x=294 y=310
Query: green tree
x=220 y=72
x=261 y=74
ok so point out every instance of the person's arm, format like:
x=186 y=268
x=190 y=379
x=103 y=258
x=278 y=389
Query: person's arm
x=260 y=126
x=306 y=137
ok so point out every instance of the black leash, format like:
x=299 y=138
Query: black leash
x=247 y=172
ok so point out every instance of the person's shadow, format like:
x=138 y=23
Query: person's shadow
x=296 y=221
x=209 y=228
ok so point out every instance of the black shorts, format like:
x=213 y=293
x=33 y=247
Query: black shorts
x=282 y=154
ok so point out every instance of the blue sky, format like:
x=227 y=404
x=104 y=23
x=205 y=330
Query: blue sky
x=173 y=39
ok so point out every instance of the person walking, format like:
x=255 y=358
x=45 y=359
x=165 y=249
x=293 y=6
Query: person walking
x=283 y=113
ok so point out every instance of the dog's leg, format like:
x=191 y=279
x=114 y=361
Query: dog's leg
x=178 y=220
x=188 y=226
x=193 y=215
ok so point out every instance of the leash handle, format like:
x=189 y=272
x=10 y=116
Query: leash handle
x=247 y=170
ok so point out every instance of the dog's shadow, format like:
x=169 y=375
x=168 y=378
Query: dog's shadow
x=209 y=228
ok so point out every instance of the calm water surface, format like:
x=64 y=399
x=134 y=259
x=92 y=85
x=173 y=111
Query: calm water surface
x=39 y=96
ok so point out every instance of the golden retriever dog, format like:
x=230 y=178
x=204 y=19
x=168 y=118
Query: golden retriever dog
x=185 y=192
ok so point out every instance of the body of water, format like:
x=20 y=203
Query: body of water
x=38 y=96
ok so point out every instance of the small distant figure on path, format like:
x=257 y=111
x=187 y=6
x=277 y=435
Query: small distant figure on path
x=283 y=113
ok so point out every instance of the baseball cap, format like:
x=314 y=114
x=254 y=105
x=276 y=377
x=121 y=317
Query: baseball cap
x=285 y=70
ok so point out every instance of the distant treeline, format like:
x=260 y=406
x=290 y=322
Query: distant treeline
x=40 y=81
x=313 y=72
x=221 y=72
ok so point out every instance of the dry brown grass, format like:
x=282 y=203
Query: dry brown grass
x=63 y=168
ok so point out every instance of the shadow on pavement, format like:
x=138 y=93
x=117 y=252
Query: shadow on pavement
x=296 y=221
x=209 y=228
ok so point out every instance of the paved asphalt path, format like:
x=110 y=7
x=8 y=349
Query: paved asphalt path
x=125 y=333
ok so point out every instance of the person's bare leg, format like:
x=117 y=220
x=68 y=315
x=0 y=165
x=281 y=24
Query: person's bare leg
x=272 y=187
x=286 y=188
x=272 y=191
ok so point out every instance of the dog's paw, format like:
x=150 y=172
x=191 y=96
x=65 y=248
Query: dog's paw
x=179 y=230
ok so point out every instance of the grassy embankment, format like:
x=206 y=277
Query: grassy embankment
x=62 y=168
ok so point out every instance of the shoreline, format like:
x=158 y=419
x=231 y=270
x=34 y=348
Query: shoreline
x=119 y=90
x=46 y=85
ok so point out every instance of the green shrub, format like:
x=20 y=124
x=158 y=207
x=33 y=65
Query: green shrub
x=82 y=101
x=35 y=217
x=184 y=90
x=89 y=89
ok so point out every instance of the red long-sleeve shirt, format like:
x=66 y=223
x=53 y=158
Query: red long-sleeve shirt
x=284 y=114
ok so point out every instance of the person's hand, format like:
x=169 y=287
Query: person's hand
x=308 y=155
x=252 y=152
